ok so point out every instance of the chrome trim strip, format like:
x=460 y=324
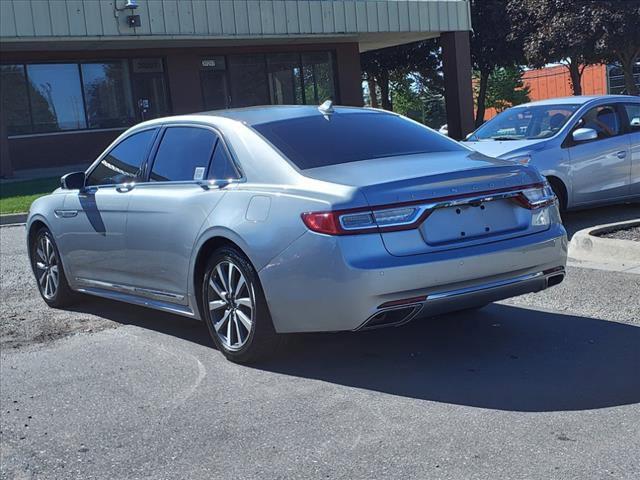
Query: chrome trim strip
x=66 y=213
x=143 y=302
x=485 y=286
x=129 y=289
x=423 y=208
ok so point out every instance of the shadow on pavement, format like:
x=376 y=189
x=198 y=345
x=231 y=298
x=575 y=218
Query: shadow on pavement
x=501 y=357
x=126 y=314
x=577 y=220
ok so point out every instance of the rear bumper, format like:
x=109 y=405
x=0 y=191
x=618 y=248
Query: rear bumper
x=437 y=303
x=323 y=283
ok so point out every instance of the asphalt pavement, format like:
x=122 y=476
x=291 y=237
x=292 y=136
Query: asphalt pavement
x=542 y=386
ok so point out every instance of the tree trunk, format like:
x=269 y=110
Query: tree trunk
x=373 y=95
x=576 y=77
x=627 y=59
x=482 y=97
x=383 y=82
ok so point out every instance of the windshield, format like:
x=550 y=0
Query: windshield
x=526 y=123
x=319 y=140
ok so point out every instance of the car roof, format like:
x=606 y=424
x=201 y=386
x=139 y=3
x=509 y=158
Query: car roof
x=270 y=113
x=256 y=115
x=578 y=100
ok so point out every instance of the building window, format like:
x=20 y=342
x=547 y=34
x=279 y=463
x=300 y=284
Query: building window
x=248 y=80
x=318 y=77
x=285 y=80
x=107 y=94
x=617 y=84
x=57 y=101
x=53 y=97
x=15 y=101
x=262 y=79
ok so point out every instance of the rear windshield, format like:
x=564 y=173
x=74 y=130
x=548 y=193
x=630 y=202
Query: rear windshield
x=319 y=140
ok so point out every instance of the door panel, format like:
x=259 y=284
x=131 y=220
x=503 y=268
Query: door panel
x=92 y=239
x=634 y=150
x=600 y=168
x=164 y=221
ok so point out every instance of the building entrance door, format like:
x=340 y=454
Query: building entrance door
x=150 y=88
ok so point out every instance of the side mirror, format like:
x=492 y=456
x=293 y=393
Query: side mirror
x=584 y=134
x=73 y=181
x=635 y=122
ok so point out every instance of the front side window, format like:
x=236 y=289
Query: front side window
x=107 y=93
x=57 y=103
x=124 y=162
x=603 y=119
x=184 y=154
x=526 y=123
x=319 y=140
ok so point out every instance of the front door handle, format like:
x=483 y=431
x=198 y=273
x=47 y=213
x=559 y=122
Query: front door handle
x=621 y=154
x=125 y=187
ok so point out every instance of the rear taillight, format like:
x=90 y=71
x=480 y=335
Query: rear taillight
x=538 y=197
x=351 y=222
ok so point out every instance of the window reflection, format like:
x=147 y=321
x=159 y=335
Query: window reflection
x=107 y=90
x=58 y=102
x=15 y=103
x=248 y=80
x=285 y=82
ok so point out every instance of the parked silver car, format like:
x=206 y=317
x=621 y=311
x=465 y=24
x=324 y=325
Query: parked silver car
x=269 y=220
x=587 y=147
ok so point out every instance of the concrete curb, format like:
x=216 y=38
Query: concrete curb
x=13 y=219
x=586 y=246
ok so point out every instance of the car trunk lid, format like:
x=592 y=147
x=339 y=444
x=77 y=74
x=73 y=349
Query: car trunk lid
x=464 y=198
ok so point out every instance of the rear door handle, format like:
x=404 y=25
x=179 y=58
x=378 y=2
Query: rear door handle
x=621 y=154
x=125 y=187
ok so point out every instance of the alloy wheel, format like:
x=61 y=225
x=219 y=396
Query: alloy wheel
x=46 y=266
x=231 y=304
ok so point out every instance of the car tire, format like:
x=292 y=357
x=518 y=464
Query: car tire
x=559 y=191
x=239 y=323
x=49 y=272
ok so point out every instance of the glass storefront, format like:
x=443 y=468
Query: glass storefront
x=102 y=94
x=54 y=97
x=263 y=79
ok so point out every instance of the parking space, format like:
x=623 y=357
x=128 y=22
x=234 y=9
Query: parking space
x=540 y=386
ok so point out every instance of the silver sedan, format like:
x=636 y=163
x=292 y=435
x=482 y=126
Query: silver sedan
x=272 y=220
x=588 y=147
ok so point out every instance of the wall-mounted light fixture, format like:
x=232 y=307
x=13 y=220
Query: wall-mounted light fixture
x=132 y=20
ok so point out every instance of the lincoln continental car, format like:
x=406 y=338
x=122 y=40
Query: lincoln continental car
x=270 y=220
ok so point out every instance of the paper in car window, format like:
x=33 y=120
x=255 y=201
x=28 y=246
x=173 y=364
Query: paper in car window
x=198 y=173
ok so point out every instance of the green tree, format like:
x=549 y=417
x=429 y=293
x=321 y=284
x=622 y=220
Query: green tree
x=492 y=46
x=506 y=88
x=381 y=68
x=557 y=31
x=618 y=24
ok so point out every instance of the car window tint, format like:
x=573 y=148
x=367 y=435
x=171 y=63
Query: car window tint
x=633 y=116
x=221 y=166
x=184 y=154
x=321 y=140
x=124 y=162
x=603 y=119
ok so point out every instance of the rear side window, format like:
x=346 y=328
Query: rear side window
x=222 y=167
x=124 y=162
x=633 y=116
x=184 y=154
x=320 y=140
